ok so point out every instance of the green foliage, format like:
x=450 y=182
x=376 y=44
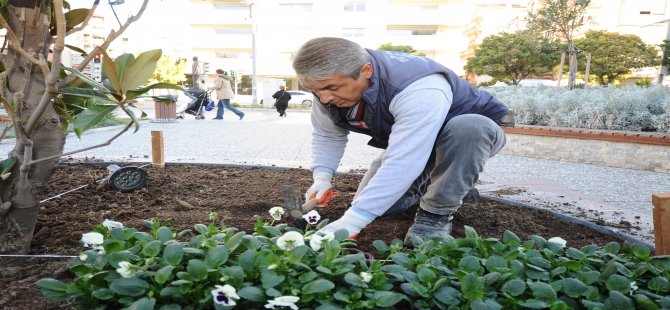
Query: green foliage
x=156 y=269
x=169 y=70
x=614 y=54
x=512 y=57
x=559 y=18
x=399 y=48
x=643 y=82
x=87 y=102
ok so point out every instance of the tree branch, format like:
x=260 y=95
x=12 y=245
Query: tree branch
x=83 y=24
x=110 y=38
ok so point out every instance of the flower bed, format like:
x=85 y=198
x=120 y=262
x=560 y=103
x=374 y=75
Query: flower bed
x=279 y=266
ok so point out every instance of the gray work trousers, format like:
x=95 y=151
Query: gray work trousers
x=461 y=149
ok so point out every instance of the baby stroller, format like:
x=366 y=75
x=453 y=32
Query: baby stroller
x=198 y=100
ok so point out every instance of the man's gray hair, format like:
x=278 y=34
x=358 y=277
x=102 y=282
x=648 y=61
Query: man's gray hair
x=321 y=58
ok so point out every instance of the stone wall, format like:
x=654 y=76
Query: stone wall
x=623 y=149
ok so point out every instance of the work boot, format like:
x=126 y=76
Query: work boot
x=472 y=196
x=427 y=225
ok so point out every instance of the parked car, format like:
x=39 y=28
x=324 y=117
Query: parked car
x=300 y=97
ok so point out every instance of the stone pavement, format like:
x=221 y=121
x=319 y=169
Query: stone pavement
x=614 y=197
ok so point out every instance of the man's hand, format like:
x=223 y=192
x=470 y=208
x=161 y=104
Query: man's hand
x=351 y=221
x=320 y=192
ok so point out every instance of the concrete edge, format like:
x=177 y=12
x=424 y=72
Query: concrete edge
x=568 y=218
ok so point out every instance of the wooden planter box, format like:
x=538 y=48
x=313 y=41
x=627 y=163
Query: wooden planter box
x=623 y=149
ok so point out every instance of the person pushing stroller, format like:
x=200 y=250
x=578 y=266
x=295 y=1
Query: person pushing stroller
x=224 y=93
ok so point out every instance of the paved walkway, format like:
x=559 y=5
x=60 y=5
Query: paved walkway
x=608 y=196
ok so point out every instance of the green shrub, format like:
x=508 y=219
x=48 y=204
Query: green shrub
x=220 y=267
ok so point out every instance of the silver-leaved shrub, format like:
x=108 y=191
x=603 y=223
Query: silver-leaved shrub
x=629 y=108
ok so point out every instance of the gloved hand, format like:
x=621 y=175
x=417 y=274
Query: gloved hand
x=320 y=192
x=352 y=221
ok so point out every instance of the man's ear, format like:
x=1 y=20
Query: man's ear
x=366 y=71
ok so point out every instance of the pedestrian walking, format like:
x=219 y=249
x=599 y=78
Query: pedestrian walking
x=224 y=93
x=282 y=98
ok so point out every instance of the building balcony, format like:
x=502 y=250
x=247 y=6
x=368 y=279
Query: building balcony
x=438 y=42
x=203 y=41
x=408 y=15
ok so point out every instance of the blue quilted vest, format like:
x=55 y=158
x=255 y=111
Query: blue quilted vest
x=393 y=72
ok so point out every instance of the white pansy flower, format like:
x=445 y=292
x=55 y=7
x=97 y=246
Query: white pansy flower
x=327 y=236
x=283 y=301
x=92 y=239
x=312 y=217
x=126 y=269
x=315 y=242
x=366 y=276
x=225 y=295
x=558 y=240
x=318 y=238
x=290 y=240
x=633 y=287
x=112 y=224
x=276 y=213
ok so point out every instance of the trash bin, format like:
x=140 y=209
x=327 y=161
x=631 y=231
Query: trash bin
x=166 y=112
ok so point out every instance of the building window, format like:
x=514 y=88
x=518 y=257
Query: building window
x=231 y=8
x=295 y=7
x=410 y=31
x=232 y=31
x=353 y=32
x=354 y=6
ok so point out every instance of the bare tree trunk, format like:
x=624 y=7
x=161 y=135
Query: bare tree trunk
x=572 y=65
x=560 y=69
x=30 y=21
x=588 y=68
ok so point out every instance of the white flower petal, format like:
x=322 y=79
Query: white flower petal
x=276 y=213
x=312 y=217
x=92 y=238
x=558 y=240
x=366 y=276
x=290 y=240
x=225 y=295
x=283 y=301
x=315 y=242
x=112 y=224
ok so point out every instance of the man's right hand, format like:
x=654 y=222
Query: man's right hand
x=320 y=192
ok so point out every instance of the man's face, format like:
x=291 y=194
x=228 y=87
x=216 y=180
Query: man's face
x=342 y=91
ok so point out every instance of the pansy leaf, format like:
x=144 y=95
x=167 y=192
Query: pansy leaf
x=252 y=293
x=514 y=287
x=317 y=286
x=173 y=253
x=617 y=300
x=387 y=299
x=129 y=286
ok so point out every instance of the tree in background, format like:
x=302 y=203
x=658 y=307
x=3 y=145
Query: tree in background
x=169 y=70
x=400 y=48
x=614 y=54
x=561 y=19
x=512 y=57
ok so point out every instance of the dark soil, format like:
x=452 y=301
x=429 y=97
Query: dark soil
x=186 y=194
